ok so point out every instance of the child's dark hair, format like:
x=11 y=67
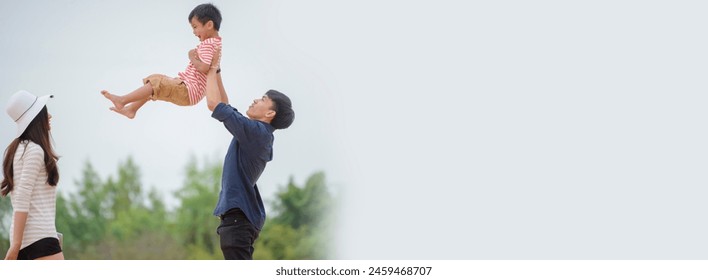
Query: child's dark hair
x=205 y=13
x=284 y=114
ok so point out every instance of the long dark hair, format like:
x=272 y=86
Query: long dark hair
x=37 y=132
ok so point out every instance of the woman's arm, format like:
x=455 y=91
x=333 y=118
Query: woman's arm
x=19 y=220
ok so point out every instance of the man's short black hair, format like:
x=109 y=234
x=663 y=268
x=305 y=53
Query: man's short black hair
x=284 y=114
x=205 y=13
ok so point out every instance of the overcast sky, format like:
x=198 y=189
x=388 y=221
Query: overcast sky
x=453 y=129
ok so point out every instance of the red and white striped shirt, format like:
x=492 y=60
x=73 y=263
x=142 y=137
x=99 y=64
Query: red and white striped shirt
x=195 y=80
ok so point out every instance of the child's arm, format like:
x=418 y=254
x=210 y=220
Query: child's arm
x=198 y=64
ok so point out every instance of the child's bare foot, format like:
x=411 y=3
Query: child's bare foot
x=117 y=104
x=125 y=111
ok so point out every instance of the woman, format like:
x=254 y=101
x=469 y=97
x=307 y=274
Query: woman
x=30 y=178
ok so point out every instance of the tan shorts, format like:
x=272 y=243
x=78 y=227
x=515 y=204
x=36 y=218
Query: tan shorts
x=168 y=89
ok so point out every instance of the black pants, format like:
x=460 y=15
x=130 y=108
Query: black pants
x=236 y=235
x=40 y=248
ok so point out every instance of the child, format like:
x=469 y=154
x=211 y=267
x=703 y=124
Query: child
x=188 y=89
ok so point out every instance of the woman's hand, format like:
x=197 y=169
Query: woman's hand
x=12 y=253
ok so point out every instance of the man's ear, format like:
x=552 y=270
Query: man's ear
x=270 y=114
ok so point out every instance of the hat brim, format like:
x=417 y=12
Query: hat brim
x=27 y=118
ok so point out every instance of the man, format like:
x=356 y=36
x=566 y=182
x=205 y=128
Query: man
x=240 y=206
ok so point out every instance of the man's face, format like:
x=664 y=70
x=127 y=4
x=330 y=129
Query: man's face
x=199 y=29
x=261 y=108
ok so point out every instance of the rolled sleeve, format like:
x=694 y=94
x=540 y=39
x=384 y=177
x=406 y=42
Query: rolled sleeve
x=249 y=133
x=234 y=121
x=221 y=111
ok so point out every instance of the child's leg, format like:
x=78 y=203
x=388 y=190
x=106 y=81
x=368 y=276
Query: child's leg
x=131 y=109
x=142 y=93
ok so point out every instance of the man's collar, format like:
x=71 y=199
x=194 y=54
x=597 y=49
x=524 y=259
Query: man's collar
x=270 y=128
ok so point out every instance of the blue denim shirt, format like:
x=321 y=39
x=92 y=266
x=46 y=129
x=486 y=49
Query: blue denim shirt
x=250 y=149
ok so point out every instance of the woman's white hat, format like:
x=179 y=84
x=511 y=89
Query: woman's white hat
x=23 y=107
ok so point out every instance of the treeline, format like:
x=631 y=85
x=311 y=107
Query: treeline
x=118 y=219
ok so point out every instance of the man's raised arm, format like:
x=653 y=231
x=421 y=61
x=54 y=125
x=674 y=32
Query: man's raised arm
x=214 y=87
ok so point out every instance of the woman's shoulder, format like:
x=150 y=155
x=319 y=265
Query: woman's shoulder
x=30 y=144
x=28 y=148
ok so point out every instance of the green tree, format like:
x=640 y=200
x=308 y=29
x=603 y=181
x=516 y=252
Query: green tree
x=115 y=219
x=82 y=216
x=5 y=220
x=195 y=223
x=301 y=227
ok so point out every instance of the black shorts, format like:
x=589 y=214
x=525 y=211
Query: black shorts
x=41 y=248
